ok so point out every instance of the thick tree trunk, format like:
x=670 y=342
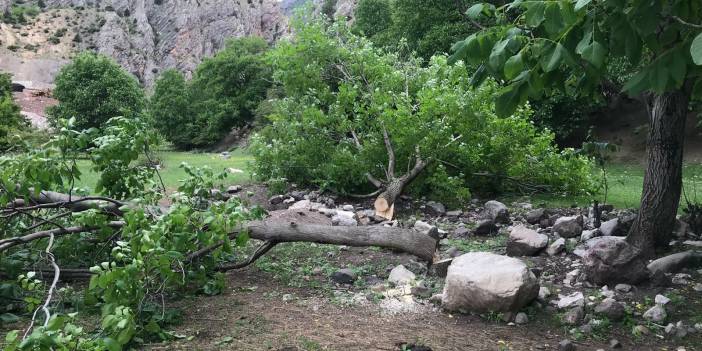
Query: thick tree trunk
x=409 y=241
x=663 y=179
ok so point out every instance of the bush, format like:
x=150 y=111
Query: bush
x=11 y=121
x=341 y=93
x=372 y=17
x=92 y=89
x=224 y=93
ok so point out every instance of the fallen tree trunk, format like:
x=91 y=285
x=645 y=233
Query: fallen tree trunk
x=409 y=241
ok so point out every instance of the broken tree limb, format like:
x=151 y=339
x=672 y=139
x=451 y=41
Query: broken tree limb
x=74 y=203
x=11 y=242
x=405 y=240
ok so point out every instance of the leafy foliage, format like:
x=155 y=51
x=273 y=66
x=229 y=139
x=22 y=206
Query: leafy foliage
x=92 y=89
x=224 y=93
x=372 y=17
x=144 y=259
x=540 y=45
x=341 y=92
x=11 y=121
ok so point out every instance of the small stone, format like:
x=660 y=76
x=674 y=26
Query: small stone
x=525 y=242
x=344 y=276
x=569 y=227
x=612 y=228
x=234 y=189
x=640 y=330
x=485 y=227
x=461 y=233
x=497 y=211
x=670 y=328
x=574 y=316
x=556 y=248
x=535 y=216
x=544 y=293
x=589 y=234
x=622 y=288
x=436 y=298
x=277 y=199
x=421 y=291
x=566 y=345
x=287 y=297
x=347 y=208
x=575 y=299
x=656 y=314
x=521 y=318
x=661 y=300
x=454 y=214
x=436 y=208
x=453 y=252
x=401 y=276
x=615 y=344
x=697 y=287
x=611 y=308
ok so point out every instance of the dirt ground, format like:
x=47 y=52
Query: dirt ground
x=259 y=311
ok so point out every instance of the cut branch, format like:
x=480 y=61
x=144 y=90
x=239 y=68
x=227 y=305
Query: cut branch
x=12 y=242
x=74 y=203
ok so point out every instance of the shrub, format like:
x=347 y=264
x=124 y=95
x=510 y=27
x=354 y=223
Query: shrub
x=11 y=121
x=342 y=92
x=224 y=93
x=93 y=89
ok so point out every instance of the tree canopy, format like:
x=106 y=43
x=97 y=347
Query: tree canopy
x=92 y=89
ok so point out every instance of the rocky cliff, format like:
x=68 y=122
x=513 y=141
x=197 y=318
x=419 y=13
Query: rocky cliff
x=144 y=36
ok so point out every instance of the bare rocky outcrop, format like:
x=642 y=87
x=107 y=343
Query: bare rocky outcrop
x=147 y=36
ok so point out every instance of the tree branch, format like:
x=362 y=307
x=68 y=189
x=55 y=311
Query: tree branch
x=12 y=242
x=391 y=154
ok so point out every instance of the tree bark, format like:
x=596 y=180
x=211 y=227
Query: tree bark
x=409 y=241
x=663 y=178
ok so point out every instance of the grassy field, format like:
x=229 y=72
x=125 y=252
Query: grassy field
x=625 y=183
x=172 y=173
x=625 y=180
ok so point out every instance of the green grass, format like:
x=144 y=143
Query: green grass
x=625 y=184
x=171 y=172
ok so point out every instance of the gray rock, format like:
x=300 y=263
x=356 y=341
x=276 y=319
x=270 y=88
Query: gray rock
x=676 y=262
x=566 y=345
x=535 y=216
x=525 y=242
x=401 y=276
x=556 y=247
x=589 y=234
x=656 y=314
x=610 y=308
x=347 y=208
x=640 y=330
x=485 y=227
x=436 y=208
x=615 y=344
x=574 y=316
x=461 y=233
x=344 y=221
x=453 y=252
x=612 y=228
x=454 y=214
x=544 y=293
x=575 y=299
x=497 y=211
x=661 y=300
x=421 y=291
x=569 y=227
x=233 y=189
x=277 y=199
x=426 y=228
x=483 y=282
x=623 y=288
x=521 y=318
x=344 y=276
x=611 y=260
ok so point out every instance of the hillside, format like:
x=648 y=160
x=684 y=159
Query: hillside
x=144 y=36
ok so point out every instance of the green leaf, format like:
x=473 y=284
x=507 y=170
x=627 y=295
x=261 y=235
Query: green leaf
x=637 y=83
x=479 y=76
x=498 y=54
x=696 y=50
x=534 y=14
x=581 y=4
x=475 y=11
x=513 y=66
x=553 y=59
x=595 y=54
x=508 y=101
x=584 y=42
x=678 y=68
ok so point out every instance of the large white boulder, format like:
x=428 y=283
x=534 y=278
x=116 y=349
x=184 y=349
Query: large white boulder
x=483 y=282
